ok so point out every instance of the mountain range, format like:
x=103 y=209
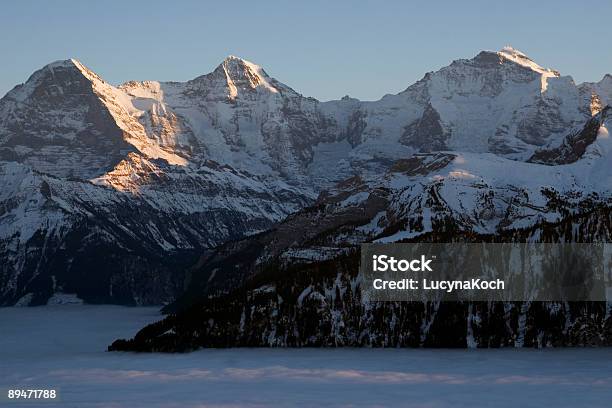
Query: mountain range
x=179 y=192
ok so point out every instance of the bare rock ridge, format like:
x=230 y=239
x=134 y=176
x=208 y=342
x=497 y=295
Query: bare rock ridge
x=113 y=192
x=574 y=145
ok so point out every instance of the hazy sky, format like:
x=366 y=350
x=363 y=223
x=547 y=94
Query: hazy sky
x=324 y=49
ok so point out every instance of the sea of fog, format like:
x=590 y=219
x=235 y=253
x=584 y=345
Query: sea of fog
x=63 y=347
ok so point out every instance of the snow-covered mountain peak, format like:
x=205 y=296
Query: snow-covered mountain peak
x=70 y=65
x=599 y=92
x=516 y=56
x=59 y=76
x=85 y=71
x=67 y=63
x=511 y=50
x=606 y=82
x=240 y=75
x=241 y=66
x=66 y=121
x=498 y=101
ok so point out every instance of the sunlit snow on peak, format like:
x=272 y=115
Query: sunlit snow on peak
x=237 y=69
x=520 y=58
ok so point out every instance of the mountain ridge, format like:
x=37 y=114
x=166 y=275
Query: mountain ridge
x=233 y=152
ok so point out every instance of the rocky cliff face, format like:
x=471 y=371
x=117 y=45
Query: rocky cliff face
x=574 y=146
x=99 y=183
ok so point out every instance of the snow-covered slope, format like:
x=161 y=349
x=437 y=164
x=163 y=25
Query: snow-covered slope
x=123 y=246
x=236 y=115
x=149 y=169
x=299 y=284
x=443 y=194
